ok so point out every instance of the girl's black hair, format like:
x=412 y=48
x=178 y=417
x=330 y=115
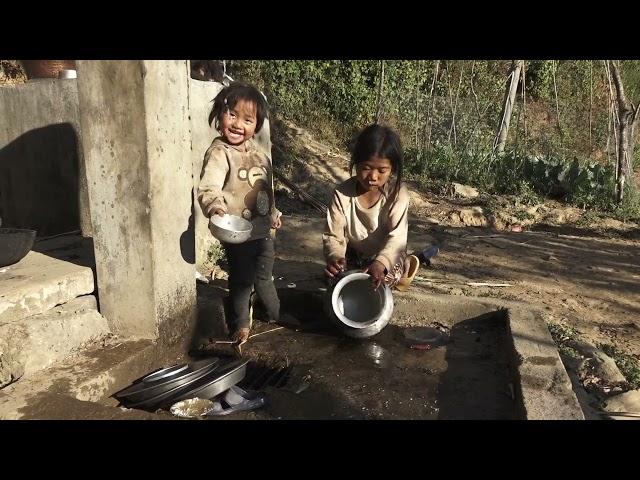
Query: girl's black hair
x=382 y=142
x=229 y=96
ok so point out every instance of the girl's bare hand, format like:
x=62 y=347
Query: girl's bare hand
x=334 y=267
x=377 y=271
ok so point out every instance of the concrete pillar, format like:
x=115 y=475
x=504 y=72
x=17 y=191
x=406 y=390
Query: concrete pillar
x=201 y=95
x=136 y=138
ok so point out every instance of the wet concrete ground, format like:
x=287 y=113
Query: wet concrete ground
x=381 y=377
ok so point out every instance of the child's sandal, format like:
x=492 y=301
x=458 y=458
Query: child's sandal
x=413 y=264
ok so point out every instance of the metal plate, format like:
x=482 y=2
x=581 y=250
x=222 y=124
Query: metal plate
x=143 y=391
x=164 y=373
x=219 y=381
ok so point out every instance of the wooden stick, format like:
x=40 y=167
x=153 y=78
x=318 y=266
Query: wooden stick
x=621 y=414
x=267 y=331
x=470 y=284
x=73 y=232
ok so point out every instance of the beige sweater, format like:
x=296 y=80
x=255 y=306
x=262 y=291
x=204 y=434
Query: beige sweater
x=239 y=182
x=379 y=231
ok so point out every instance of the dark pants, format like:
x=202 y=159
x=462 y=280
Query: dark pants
x=251 y=264
x=355 y=261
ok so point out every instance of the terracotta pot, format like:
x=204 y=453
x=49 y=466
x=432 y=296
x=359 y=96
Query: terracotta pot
x=46 y=68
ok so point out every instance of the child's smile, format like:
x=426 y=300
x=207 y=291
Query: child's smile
x=239 y=123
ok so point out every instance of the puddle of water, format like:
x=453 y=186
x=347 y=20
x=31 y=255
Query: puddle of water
x=377 y=354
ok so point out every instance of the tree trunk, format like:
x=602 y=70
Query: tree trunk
x=436 y=67
x=590 y=104
x=627 y=118
x=555 y=92
x=380 y=92
x=417 y=85
x=507 y=107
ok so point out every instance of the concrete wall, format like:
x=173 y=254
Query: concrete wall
x=136 y=140
x=42 y=178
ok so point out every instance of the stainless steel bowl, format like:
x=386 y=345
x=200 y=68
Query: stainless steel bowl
x=230 y=228
x=358 y=309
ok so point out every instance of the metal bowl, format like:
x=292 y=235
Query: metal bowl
x=357 y=308
x=67 y=74
x=230 y=228
x=15 y=243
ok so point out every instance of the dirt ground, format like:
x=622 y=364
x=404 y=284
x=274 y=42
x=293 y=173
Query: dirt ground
x=581 y=268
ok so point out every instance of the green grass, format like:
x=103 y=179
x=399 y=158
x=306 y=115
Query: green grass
x=523 y=216
x=562 y=334
x=628 y=365
x=216 y=254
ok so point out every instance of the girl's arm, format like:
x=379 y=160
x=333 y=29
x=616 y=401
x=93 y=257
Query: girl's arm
x=333 y=239
x=395 y=244
x=214 y=173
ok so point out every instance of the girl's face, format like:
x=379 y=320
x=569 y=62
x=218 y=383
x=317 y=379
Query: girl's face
x=238 y=124
x=373 y=173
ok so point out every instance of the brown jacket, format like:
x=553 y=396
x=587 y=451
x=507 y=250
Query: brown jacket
x=239 y=182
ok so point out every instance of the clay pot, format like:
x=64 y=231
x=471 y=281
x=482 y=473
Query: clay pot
x=46 y=68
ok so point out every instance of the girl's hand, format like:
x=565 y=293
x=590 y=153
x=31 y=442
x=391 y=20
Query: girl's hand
x=277 y=223
x=377 y=271
x=334 y=267
x=214 y=209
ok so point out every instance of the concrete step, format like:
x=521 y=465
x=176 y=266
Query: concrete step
x=37 y=342
x=56 y=406
x=92 y=375
x=39 y=282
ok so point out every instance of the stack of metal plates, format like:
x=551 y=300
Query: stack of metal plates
x=199 y=379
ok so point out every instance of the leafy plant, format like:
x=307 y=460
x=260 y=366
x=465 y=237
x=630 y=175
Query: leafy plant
x=628 y=365
x=560 y=143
